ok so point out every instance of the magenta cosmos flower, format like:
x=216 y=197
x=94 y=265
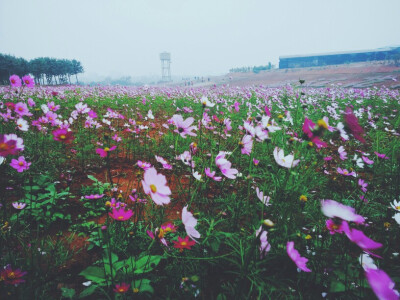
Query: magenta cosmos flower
x=333 y=209
x=352 y=123
x=15 y=80
x=122 y=288
x=104 y=152
x=10 y=144
x=63 y=135
x=10 y=276
x=28 y=81
x=381 y=284
x=301 y=262
x=212 y=174
x=155 y=185
x=120 y=214
x=183 y=126
x=20 y=164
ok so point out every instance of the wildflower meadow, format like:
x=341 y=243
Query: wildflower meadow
x=220 y=193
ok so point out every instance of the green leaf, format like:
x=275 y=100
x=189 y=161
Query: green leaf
x=67 y=293
x=95 y=274
x=142 y=286
x=147 y=263
x=336 y=287
x=91 y=177
x=87 y=292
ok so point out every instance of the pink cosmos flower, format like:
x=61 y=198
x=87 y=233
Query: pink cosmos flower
x=104 y=152
x=95 y=196
x=20 y=164
x=342 y=152
x=190 y=223
x=363 y=185
x=301 y=262
x=92 y=114
x=31 y=103
x=334 y=226
x=212 y=174
x=120 y=214
x=15 y=81
x=265 y=246
x=246 y=144
x=360 y=239
x=367 y=160
x=256 y=162
x=10 y=144
x=22 y=109
x=381 y=155
x=225 y=166
x=263 y=199
x=333 y=209
x=155 y=185
x=12 y=276
x=381 y=284
x=183 y=126
x=63 y=135
x=352 y=123
x=345 y=172
x=285 y=161
x=122 y=288
x=28 y=81
x=308 y=127
x=236 y=106
x=143 y=165
x=18 y=205
x=52 y=106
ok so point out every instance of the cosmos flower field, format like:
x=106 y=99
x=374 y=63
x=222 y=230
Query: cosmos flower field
x=199 y=193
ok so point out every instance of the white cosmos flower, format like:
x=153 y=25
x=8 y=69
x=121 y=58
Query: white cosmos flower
x=343 y=133
x=367 y=262
x=395 y=205
x=197 y=176
x=22 y=124
x=204 y=100
x=263 y=199
x=396 y=217
x=285 y=161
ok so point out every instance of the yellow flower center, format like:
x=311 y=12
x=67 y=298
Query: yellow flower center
x=322 y=123
x=11 y=275
x=21 y=163
x=345 y=172
x=153 y=188
x=63 y=137
x=303 y=198
x=397 y=207
x=106 y=149
x=120 y=217
x=183 y=243
x=3 y=146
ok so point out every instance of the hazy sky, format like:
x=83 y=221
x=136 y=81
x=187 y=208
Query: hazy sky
x=205 y=37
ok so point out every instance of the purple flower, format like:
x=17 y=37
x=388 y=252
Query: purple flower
x=20 y=164
x=15 y=81
x=352 y=123
x=246 y=144
x=301 y=262
x=345 y=172
x=381 y=284
x=363 y=185
x=183 y=126
x=265 y=246
x=28 y=81
x=18 y=205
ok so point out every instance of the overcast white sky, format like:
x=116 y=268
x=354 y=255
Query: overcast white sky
x=205 y=37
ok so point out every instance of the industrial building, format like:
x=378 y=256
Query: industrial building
x=337 y=58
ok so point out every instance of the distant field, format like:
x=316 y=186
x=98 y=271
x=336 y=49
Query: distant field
x=357 y=75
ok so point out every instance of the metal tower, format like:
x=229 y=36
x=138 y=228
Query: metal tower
x=165 y=66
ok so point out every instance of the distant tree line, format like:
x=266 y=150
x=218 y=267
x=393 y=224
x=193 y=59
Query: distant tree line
x=45 y=70
x=255 y=69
